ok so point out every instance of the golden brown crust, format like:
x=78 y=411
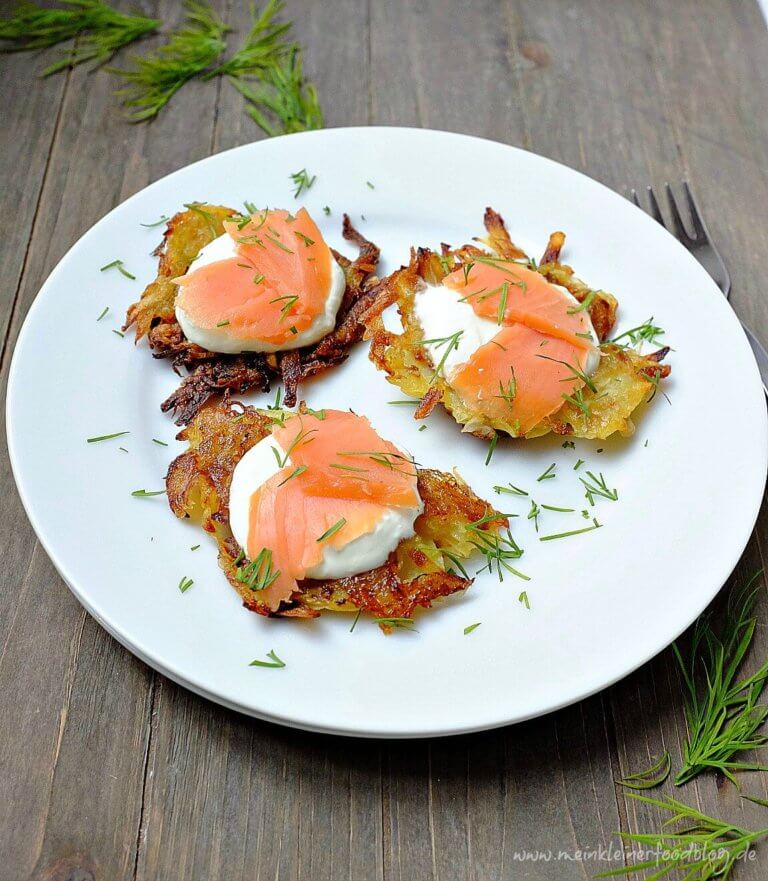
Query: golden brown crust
x=414 y=575
x=623 y=380
x=211 y=373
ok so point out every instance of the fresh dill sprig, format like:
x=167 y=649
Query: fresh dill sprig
x=648 y=332
x=498 y=548
x=651 y=777
x=690 y=842
x=724 y=716
x=262 y=47
x=282 y=101
x=155 y=78
x=99 y=29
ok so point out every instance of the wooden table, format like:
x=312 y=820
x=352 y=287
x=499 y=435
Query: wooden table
x=108 y=770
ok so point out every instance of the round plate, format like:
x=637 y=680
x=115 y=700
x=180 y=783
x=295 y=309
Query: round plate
x=689 y=481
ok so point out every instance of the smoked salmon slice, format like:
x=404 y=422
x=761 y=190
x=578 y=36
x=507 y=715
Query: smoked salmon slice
x=521 y=376
x=338 y=478
x=274 y=287
x=508 y=292
x=346 y=458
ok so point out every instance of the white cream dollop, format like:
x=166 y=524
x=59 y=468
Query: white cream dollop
x=223 y=339
x=441 y=312
x=359 y=555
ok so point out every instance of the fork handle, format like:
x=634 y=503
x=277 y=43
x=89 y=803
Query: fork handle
x=761 y=356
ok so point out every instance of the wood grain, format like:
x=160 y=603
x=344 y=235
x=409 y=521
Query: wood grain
x=109 y=771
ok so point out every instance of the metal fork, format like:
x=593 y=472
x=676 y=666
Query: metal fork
x=700 y=245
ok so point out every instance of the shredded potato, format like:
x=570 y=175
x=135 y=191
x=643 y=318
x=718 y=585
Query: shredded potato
x=212 y=373
x=416 y=573
x=623 y=381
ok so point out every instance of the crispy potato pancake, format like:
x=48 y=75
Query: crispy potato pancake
x=212 y=373
x=623 y=381
x=454 y=522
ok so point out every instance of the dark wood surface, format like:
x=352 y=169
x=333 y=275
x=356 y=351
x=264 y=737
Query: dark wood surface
x=108 y=770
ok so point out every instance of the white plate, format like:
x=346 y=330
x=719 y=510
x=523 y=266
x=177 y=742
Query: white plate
x=601 y=603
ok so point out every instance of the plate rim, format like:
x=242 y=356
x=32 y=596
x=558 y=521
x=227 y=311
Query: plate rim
x=155 y=660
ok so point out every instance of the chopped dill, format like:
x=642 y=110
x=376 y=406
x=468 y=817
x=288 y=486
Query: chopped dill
x=585 y=303
x=396 y=623
x=492 y=448
x=549 y=474
x=510 y=489
x=119 y=265
x=450 y=343
x=274 y=661
x=302 y=181
x=258 y=573
x=104 y=437
x=595 y=525
x=596 y=486
x=497 y=548
x=332 y=530
x=163 y=219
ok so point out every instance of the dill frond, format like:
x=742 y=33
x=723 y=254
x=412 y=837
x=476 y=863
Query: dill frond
x=724 y=716
x=156 y=78
x=651 y=777
x=689 y=841
x=282 y=102
x=262 y=47
x=99 y=29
